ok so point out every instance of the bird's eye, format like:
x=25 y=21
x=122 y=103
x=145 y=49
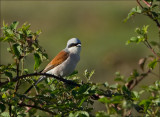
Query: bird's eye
x=73 y=44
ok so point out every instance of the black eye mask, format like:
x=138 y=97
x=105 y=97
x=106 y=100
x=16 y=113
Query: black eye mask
x=73 y=44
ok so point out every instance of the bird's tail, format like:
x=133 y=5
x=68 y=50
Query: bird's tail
x=39 y=80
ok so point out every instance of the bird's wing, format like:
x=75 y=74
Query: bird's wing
x=60 y=58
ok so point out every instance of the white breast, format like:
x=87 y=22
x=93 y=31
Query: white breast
x=67 y=67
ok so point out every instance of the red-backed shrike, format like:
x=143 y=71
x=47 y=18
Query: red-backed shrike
x=65 y=62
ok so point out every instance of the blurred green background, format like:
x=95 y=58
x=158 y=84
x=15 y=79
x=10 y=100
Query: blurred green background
x=98 y=24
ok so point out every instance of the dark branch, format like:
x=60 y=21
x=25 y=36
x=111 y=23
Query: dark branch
x=40 y=74
x=95 y=97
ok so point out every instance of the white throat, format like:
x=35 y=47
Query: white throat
x=74 y=50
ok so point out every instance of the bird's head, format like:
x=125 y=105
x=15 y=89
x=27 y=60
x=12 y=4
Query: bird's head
x=74 y=46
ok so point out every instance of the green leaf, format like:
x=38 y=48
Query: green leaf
x=38 y=61
x=104 y=100
x=135 y=73
x=79 y=114
x=84 y=89
x=119 y=77
x=82 y=101
x=4 y=24
x=4 y=95
x=137 y=40
x=5 y=114
x=33 y=111
x=133 y=12
x=138 y=30
x=38 y=32
x=106 y=84
x=132 y=39
x=116 y=99
x=135 y=94
x=8 y=39
x=113 y=86
x=9 y=32
x=88 y=74
x=25 y=71
x=73 y=74
x=145 y=104
x=102 y=114
x=145 y=29
x=152 y=64
x=14 y=25
x=16 y=49
x=9 y=74
x=126 y=90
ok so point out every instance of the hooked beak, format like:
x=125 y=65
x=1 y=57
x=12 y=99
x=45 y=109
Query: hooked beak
x=78 y=45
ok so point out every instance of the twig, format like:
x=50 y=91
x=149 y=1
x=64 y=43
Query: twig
x=130 y=85
x=152 y=50
x=10 y=110
x=146 y=3
x=139 y=4
x=37 y=107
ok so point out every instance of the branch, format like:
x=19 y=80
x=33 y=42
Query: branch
x=152 y=50
x=130 y=85
x=148 y=14
x=145 y=2
x=37 y=107
x=15 y=79
x=139 y=4
x=94 y=97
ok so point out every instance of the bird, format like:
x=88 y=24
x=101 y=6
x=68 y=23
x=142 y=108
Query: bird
x=64 y=63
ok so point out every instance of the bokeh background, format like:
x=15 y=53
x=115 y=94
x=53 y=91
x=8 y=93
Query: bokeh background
x=98 y=24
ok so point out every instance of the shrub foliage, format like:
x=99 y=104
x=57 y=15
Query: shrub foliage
x=70 y=96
